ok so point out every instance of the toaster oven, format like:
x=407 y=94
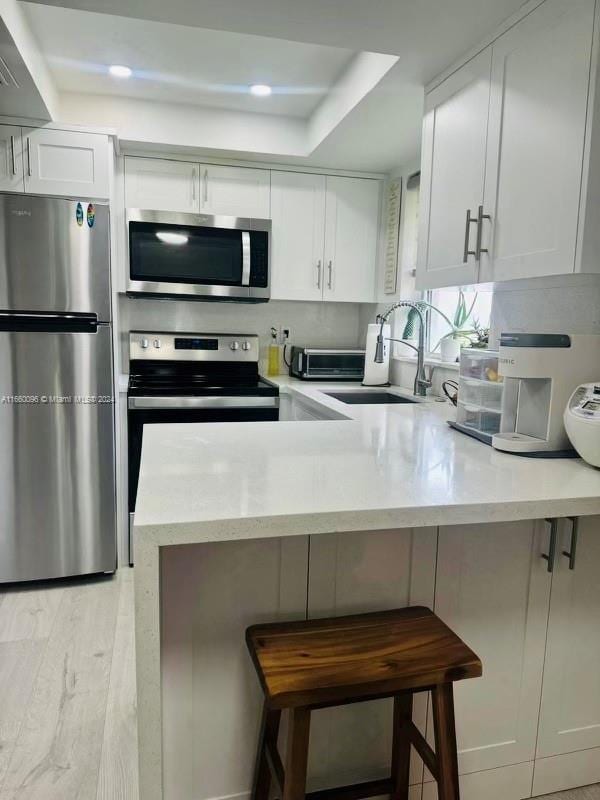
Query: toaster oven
x=322 y=364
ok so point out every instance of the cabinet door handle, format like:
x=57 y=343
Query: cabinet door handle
x=319 y=274
x=572 y=553
x=550 y=556
x=330 y=275
x=469 y=221
x=28 y=157
x=206 y=186
x=12 y=155
x=194 y=184
x=480 y=217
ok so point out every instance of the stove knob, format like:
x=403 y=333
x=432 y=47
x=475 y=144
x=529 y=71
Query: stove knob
x=234 y=346
x=246 y=346
x=157 y=344
x=144 y=344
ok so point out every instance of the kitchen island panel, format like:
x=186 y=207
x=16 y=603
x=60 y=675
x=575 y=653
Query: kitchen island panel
x=211 y=698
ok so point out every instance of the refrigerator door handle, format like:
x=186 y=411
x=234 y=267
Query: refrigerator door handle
x=48 y=322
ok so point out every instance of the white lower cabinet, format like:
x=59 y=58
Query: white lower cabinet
x=355 y=573
x=294 y=409
x=569 y=733
x=493 y=590
x=489 y=582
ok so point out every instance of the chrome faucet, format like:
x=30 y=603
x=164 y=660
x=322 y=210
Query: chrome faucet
x=422 y=384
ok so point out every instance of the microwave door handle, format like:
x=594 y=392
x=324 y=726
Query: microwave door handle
x=245 y=258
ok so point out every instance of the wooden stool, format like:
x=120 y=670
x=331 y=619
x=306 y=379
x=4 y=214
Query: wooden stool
x=332 y=662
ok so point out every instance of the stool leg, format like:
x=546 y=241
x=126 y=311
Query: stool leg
x=403 y=705
x=442 y=698
x=269 y=729
x=294 y=785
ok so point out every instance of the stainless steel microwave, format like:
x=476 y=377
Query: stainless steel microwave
x=198 y=256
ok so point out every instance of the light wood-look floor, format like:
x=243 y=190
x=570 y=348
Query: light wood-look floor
x=67 y=693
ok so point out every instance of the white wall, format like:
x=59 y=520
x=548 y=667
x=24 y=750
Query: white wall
x=144 y=122
x=324 y=324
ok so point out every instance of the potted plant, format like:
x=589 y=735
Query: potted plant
x=459 y=335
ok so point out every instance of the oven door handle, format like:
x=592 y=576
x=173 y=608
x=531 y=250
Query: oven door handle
x=246 y=258
x=202 y=402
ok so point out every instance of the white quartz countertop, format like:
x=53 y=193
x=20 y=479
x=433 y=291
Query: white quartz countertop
x=370 y=467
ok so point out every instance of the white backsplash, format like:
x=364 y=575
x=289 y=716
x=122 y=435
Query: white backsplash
x=322 y=324
x=564 y=304
x=568 y=304
x=545 y=305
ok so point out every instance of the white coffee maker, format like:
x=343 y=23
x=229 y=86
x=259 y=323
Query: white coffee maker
x=540 y=372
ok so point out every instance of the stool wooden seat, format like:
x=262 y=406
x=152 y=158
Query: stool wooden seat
x=329 y=662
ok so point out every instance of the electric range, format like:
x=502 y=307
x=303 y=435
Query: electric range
x=192 y=377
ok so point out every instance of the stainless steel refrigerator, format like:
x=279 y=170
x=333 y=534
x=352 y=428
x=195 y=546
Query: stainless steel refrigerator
x=57 y=452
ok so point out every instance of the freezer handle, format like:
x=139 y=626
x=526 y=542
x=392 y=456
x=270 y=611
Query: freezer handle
x=48 y=322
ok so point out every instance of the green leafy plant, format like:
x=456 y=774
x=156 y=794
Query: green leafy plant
x=474 y=335
x=458 y=324
x=481 y=336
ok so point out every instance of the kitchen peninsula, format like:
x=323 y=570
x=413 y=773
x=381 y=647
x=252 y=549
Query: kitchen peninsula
x=372 y=507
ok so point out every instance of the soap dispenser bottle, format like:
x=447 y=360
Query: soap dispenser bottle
x=274 y=356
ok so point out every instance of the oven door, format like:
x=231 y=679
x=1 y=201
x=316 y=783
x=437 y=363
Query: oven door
x=218 y=258
x=159 y=410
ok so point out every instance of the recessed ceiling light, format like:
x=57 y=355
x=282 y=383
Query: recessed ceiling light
x=120 y=71
x=260 y=90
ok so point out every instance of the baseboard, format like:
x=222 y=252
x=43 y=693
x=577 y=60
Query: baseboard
x=414 y=793
x=504 y=783
x=569 y=771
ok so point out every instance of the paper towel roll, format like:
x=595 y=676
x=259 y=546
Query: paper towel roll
x=377 y=374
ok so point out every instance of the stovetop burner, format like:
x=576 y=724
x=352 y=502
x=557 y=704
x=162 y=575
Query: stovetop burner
x=199 y=385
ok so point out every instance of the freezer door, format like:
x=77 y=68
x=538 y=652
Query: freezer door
x=57 y=484
x=54 y=255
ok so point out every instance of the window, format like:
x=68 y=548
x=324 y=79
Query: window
x=477 y=300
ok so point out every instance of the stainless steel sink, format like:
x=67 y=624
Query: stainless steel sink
x=369 y=398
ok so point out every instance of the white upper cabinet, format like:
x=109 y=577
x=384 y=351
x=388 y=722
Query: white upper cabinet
x=324 y=237
x=351 y=232
x=452 y=175
x=67 y=163
x=162 y=185
x=570 y=712
x=235 y=191
x=538 y=109
x=324 y=229
x=11 y=159
x=512 y=131
x=298 y=235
